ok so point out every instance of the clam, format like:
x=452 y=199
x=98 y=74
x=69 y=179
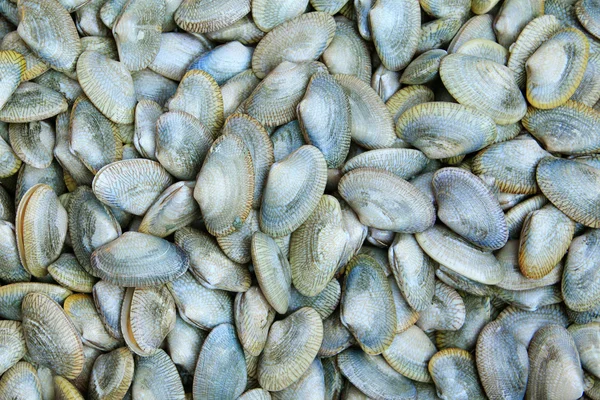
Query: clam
x=67 y=272
x=587 y=340
x=513 y=16
x=10 y=161
x=268 y=14
x=405 y=163
x=11 y=296
x=29 y=176
x=406 y=316
x=462 y=283
x=65 y=390
x=156 y=376
x=12 y=65
x=148 y=85
x=34 y=66
x=12 y=344
x=108 y=299
x=11 y=269
x=177 y=50
x=477 y=27
x=237 y=245
x=111 y=375
x=530 y=299
x=224 y=62
x=32 y=102
x=336 y=337
x=236 y=90
x=485 y=48
x=438 y=33
x=325 y=303
x=361 y=15
x=210 y=15
x=406 y=98
x=586 y=12
x=441 y=9
x=82 y=381
x=221 y=369
x=311 y=385
x=588 y=91
x=409 y=354
x=455 y=375
x=579 y=285
x=332 y=378
x=385 y=82
x=244 y=30
x=184 y=343
x=286 y=139
x=147 y=113
x=65 y=157
x=478 y=312
x=82 y=312
x=100 y=44
x=424 y=68
x=21 y=380
x=446 y=311
x=88 y=21
x=515 y=217
x=253 y=318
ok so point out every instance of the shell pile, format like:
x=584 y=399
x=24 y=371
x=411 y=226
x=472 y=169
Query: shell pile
x=299 y=199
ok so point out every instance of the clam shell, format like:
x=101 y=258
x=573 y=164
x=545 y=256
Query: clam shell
x=409 y=354
x=441 y=9
x=237 y=245
x=395 y=29
x=515 y=217
x=221 y=369
x=302 y=331
x=224 y=62
x=12 y=344
x=438 y=33
x=11 y=296
x=268 y=14
x=324 y=303
x=272 y=270
x=406 y=98
x=51 y=337
x=147 y=317
x=406 y=316
x=373 y=376
x=485 y=48
x=199 y=306
x=21 y=380
x=485 y=86
x=177 y=50
x=513 y=16
x=29 y=177
x=286 y=139
x=587 y=341
x=156 y=376
x=88 y=20
x=367 y=300
x=455 y=374
x=67 y=272
x=479 y=312
x=184 y=343
x=348 y=53
x=587 y=14
x=49 y=31
x=10 y=161
x=243 y=30
x=455 y=253
x=424 y=68
x=588 y=91
x=531 y=299
x=446 y=311
x=11 y=269
x=311 y=385
x=577 y=200
x=111 y=375
x=314 y=30
x=138 y=260
x=569 y=51
x=442 y=130
x=12 y=65
x=110 y=11
x=32 y=102
x=108 y=299
x=371 y=125
x=336 y=337
x=62 y=152
x=34 y=66
x=148 y=85
x=137 y=32
x=253 y=318
x=210 y=15
x=579 y=287
x=236 y=90
x=462 y=283
x=477 y=27
x=65 y=390
x=147 y=113
x=316 y=247
x=332 y=377
x=468 y=207
x=361 y=16
x=385 y=82
x=109 y=85
x=102 y=45
x=131 y=185
x=407 y=210
x=82 y=312
x=82 y=381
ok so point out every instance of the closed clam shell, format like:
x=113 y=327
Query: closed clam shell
x=406 y=98
x=423 y=68
x=48 y=29
x=147 y=113
x=395 y=29
x=210 y=15
x=515 y=217
x=32 y=102
x=91 y=225
x=405 y=163
x=111 y=375
x=587 y=341
x=199 y=306
x=82 y=381
x=253 y=318
x=413 y=271
x=12 y=65
x=102 y=45
x=438 y=33
x=221 y=369
x=483 y=85
x=22 y=381
x=531 y=299
x=65 y=390
x=272 y=271
x=237 y=245
x=69 y=273
x=257 y=140
x=588 y=91
x=268 y=14
x=88 y=21
x=34 y=66
x=288 y=203
x=441 y=9
x=477 y=27
x=29 y=176
x=441 y=129
x=286 y=139
x=12 y=344
x=131 y=185
x=224 y=62
x=109 y=85
x=148 y=85
x=148 y=315
x=367 y=189
x=173 y=209
x=236 y=90
x=243 y=30
x=348 y=52
x=554 y=365
x=156 y=376
x=10 y=162
x=324 y=116
x=255 y=394
x=479 y=312
x=367 y=306
x=110 y=11
x=513 y=16
x=108 y=299
x=409 y=354
x=587 y=14
x=62 y=152
x=316 y=247
x=485 y=48
x=184 y=343
x=455 y=253
x=445 y=312
x=140 y=260
x=310 y=386
x=94 y=138
x=385 y=82
x=11 y=269
x=545 y=238
x=468 y=207
x=51 y=337
x=361 y=16
x=577 y=200
x=41 y=229
x=302 y=331
x=336 y=337
x=462 y=283
x=579 y=284
x=182 y=142
x=137 y=32
x=572 y=118
x=325 y=303
x=569 y=51
x=373 y=376
x=177 y=50
x=512 y=164
x=523 y=324
x=455 y=375
x=11 y=296
x=82 y=312
x=371 y=125
x=314 y=30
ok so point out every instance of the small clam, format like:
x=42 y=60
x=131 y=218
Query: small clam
x=177 y=51
x=405 y=163
x=100 y=44
x=148 y=85
x=515 y=217
x=11 y=296
x=236 y=90
x=10 y=162
x=268 y=14
x=147 y=113
x=224 y=62
x=462 y=283
x=108 y=299
x=588 y=91
x=65 y=390
x=12 y=344
x=237 y=245
x=29 y=176
x=253 y=318
x=485 y=48
x=406 y=98
x=385 y=82
x=446 y=311
x=87 y=19
x=111 y=375
x=70 y=162
x=441 y=9
x=32 y=102
x=184 y=343
x=424 y=68
x=310 y=386
x=12 y=65
x=587 y=341
x=405 y=315
x=243 y=30
x=34 y=66
x=286 y=139
x=513 y=16
x=579 y=284
x=438 y=33
x=409 y=354
x=477 y=27
x=336 y=337
x=324 y=303
x=530 y=299
x=479 y=311
x=455 y=375
x=210 y=15
x=156 y=377
x=21 y=382
x=11 y=269
x=67 y=272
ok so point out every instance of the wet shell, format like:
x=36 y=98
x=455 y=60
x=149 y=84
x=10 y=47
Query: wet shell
x=177 y=51
x=455 y=253
x=316 y=247
x=253 y=318
x=455 y=375
x=310 y=386
x=485 y=48
x=12 y=65
x=109 y=85
x=445 y=312
x=65 y=390
x=221 y=370
x=576 y=200
x=302 y=331
x=587 y=341
x=131 y=185
x=210 y=15
x=111 y=375
x=513 y=16
x=336 y=337
x=51 y=337
x=569 y=51
x=243 y=30
x=67 y=272
x=11 y=269
x=460 y=282
x=34 y=67
x=108 y=299
x=483 y=85
x=442 y=130
x=268 y=14
x=147 y=113
x=138 y=260
x=49 y=30
x=406 y=208
x=395 y=29
x=148 y=85
x=324 y=303
x=82 y=312
x=371 y=125
x=147 y=316
x=224 y=62
x=314 y=30
x=579 y=284
x=21 y=381
x=367 y=305
x=156 y=376
x=137 y=32
x=424 y=68
x=32 y=102
x=477 y=27
x=409 y=354
x=12 y=344
x=236 y=90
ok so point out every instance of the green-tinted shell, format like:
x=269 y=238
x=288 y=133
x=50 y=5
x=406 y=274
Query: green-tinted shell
x=65 y=390
x=32 y=102
x=111 y=375
x=478 y=27
x=236 y=90
x=580 y=287
x=409 y=354
x=11 y=269
x=108 y=299
x=336 y=337
x=210 y=15
x=405 y=163
x=479 y=311
x=177 y=51
x=588 y=91
x=513 y=16
x=587 y=341
x=156 y=376
x=147 y=113
x=311 y=385
x=324 y=303
x=82 y=312
x=438 y=33
x=406 y=98
x=268 y=14
x=184 y=343
x=243 y=30
x=69 y=273
x=485 y=48
x=224 y=62
x=62 y=152
x=424 y=68
x=21 y=382
x=29 y=176
x=148 y=85
x=12 y=65
x=348 y=52
x=455 y=374
x=12 y=344
x=11 y=296
x=34 y=67
x=446 y=311
x=253 y=318
x=236 y=245
x=102 y=45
